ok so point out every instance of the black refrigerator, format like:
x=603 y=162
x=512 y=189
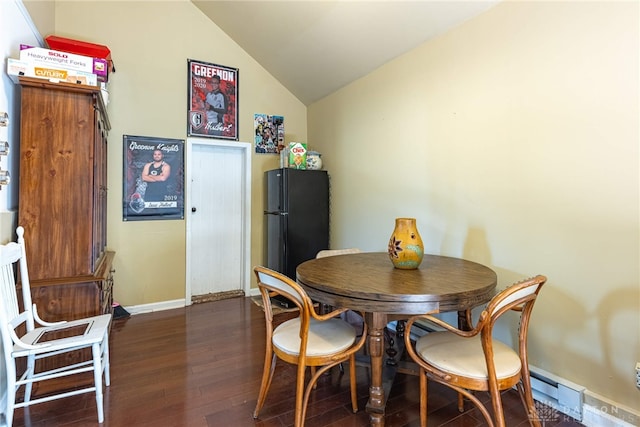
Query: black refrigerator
x=296 y=217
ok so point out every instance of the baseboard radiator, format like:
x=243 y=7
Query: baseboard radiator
x=558 y=393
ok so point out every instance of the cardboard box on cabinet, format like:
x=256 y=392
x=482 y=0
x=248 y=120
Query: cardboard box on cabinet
x=17 y=68
x=82 y=48
x=55 y=59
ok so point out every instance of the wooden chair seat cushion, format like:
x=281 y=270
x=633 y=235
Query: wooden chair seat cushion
x=464 y=356
x=325 y=338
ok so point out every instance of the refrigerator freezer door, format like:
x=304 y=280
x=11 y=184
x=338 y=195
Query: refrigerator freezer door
x=273 y=196
x=274 y=221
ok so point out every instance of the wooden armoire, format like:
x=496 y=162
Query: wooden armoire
x=62 y=201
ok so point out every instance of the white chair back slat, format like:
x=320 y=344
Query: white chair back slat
x=280 y=285
x=515 y=296
x=24 y=280
x=333 y=252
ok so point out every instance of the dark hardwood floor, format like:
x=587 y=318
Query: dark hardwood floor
x=201 y=366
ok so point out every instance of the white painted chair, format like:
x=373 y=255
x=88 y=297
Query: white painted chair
x=46 y=340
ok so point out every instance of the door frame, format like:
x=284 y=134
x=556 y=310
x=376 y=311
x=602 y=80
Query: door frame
x=245 y=149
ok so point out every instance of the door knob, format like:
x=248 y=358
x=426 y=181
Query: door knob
x=193 y=209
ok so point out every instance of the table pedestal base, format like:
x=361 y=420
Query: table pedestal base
x=382 y=374
x=387 y=347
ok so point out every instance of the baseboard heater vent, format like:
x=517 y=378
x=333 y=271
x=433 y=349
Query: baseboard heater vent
x=558 y=393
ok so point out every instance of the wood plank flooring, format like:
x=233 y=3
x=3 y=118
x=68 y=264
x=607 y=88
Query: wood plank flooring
x=201 y=366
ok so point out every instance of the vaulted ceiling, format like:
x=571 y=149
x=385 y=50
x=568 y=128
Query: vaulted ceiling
x=316 y=47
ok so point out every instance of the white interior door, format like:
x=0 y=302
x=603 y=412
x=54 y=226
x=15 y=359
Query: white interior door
x=217 y=211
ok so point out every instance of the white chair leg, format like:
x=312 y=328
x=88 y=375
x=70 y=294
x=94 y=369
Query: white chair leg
x=31 y=366
x=97 y=378
x=11 y=392
x=105 y=362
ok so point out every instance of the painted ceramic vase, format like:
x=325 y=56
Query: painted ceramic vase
x=405 y=245
x=314 y=160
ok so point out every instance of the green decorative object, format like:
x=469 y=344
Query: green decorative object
x=405 y=245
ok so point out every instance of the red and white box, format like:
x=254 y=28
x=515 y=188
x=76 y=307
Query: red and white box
x=41 y=57
x=80 y=47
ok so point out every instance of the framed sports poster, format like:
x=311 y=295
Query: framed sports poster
x=213 y=100
x=153 y=178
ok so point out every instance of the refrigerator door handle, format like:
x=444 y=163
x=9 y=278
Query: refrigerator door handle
x=275 y=213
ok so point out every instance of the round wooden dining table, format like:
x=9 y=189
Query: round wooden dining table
x=368 y=282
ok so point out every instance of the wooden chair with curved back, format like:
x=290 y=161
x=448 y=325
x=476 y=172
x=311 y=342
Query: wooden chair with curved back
x=309 y=340
x=472 y=360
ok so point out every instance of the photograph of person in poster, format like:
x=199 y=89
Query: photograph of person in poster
x=213 y=102
x=153 y=178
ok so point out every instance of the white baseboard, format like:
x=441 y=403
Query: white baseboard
x=598 y=411
x=155 y=306
x=168 y=305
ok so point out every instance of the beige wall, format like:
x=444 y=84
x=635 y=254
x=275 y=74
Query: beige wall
x=42 y=13
x=513 y=140
x=150 y=43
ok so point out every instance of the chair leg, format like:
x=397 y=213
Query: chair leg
x=352 y=381
x=313 y=372
x=460 y=402
x=300 y=394
x=31 y=366
x=496 y=403
x=311 y=385
x=423 y=397
x=267 y=375
x=474 y=400
x=526 y=395
x=11 y=391
x=97 y=379
x=106 y=364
